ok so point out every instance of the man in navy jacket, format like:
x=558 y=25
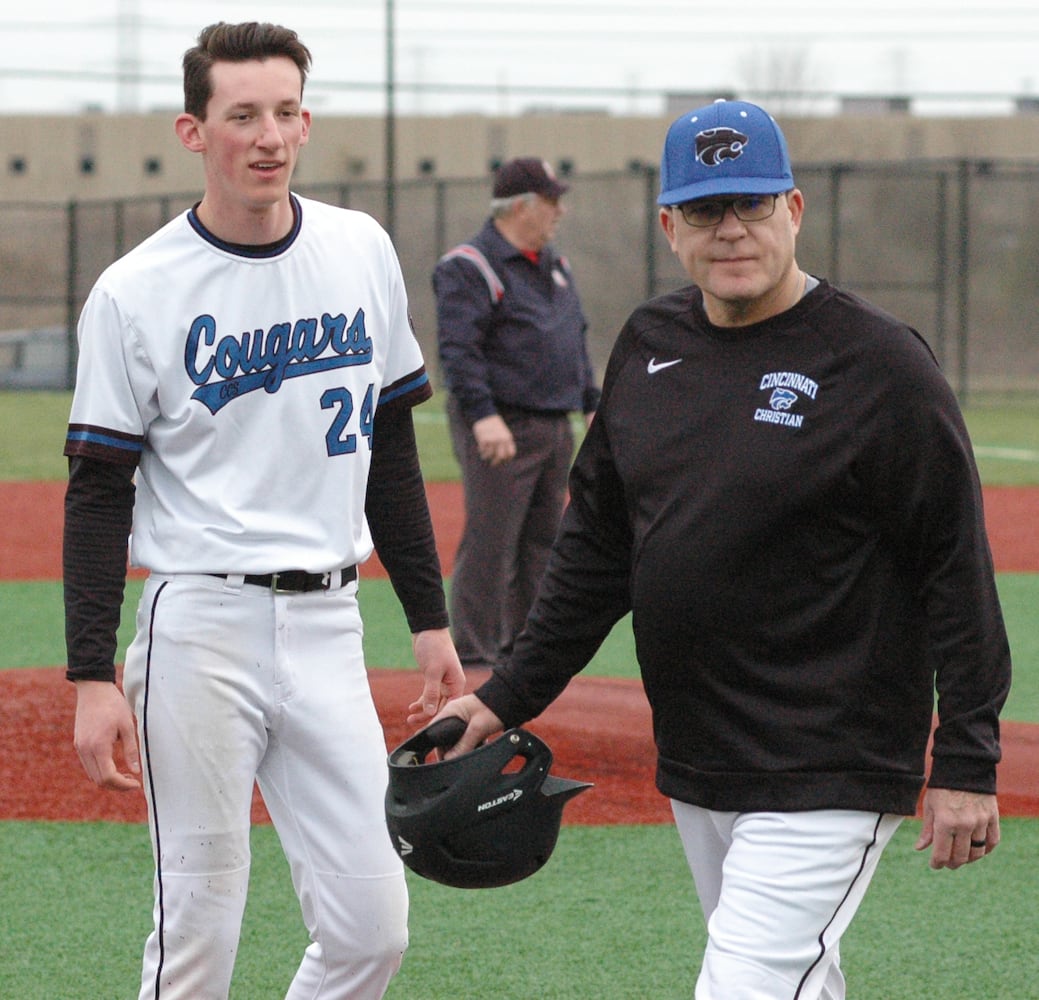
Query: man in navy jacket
x=514 y=357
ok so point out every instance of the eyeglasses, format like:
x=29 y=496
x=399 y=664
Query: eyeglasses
x=707 y=212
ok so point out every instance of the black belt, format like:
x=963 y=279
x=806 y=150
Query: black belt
x=297 y=581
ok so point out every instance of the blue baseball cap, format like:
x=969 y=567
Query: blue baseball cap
x=729 y=147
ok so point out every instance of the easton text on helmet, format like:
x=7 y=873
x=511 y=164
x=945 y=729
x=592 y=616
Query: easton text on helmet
x=500 y=800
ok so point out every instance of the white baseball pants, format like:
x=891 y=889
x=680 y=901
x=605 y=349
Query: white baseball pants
x=778 y=890
x=232 y=684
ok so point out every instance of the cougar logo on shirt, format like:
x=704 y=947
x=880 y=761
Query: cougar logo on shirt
x=231 y=366
x=715 y=145
x=787 y=390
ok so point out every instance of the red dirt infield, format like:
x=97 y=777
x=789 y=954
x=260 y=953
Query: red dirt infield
x=599 y=728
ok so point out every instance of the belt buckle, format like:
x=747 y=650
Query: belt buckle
x=276 y=589
x=303 y=582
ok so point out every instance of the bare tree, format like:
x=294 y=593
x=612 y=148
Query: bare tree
x=783 y=79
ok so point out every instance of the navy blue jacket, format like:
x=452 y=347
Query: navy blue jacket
x=514 y=337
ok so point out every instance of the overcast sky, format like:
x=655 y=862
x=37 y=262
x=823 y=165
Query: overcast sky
x=507 y=56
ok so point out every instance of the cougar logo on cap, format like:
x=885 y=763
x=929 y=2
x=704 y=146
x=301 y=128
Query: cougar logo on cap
x=714 y=145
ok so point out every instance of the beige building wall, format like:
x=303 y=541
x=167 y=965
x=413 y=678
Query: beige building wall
x=54 y=158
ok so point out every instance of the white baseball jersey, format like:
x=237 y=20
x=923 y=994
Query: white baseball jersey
x=193 y=353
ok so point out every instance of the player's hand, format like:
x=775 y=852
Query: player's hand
x=959 y=827
x=104 y=719
x=480 y=722
x=494 y=440
x=442 y=674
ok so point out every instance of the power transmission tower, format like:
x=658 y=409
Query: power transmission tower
x=128 y=56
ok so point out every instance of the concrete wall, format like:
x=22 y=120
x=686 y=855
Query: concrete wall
x=54 y=158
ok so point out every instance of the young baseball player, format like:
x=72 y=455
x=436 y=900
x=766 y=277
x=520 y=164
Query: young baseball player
x=779 y=485
x=244 y=394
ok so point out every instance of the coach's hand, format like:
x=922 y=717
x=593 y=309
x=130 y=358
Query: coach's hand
x=103 y=719
x=480 y=722
x=959 y=827
x=442 y=674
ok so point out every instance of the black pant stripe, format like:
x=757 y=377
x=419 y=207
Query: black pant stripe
x=822 y=934
x=160 y=930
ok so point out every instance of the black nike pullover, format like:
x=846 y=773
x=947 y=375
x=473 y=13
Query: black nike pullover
x=792 y=513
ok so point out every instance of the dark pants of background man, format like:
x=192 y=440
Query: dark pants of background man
x=512 y=512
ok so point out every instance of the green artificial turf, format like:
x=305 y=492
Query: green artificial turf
x=1005 y=436
x=31 y=620
x=1006 y=440
x=1019 y=597
x=34 y=426
x=613 y=916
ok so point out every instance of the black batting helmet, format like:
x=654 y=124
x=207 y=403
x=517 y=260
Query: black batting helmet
x=471 y=822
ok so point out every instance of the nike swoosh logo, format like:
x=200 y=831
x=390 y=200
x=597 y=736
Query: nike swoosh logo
x=654 y=366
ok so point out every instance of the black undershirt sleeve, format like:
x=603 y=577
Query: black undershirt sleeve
x=398 y=516
x=98 y=517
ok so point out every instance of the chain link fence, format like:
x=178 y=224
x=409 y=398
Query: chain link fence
x=950 y=247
